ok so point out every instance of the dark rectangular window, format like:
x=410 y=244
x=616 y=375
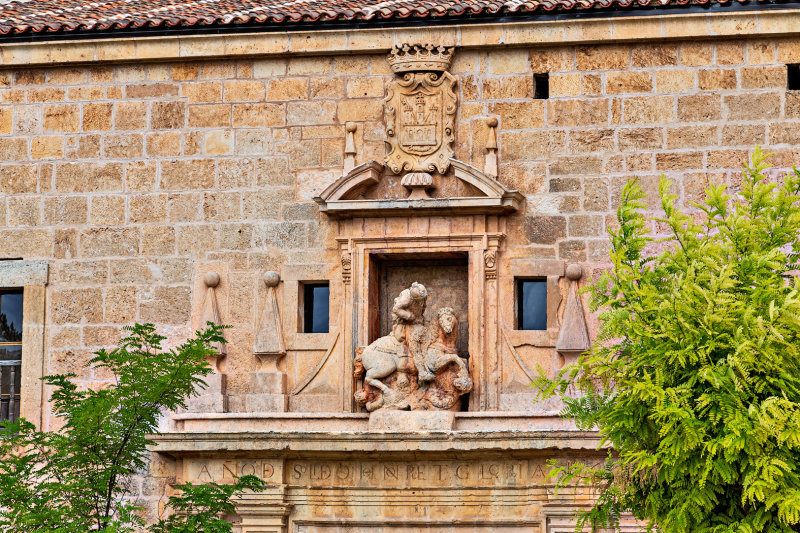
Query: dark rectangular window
x=532 y=304
x=793 y=77
x=541 y=87
x=10 y=353
x=316 y=301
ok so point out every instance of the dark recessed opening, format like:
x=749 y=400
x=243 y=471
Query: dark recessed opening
x=793 y=77
x=10 y=353
x=532 y=304
x=541 y=86
x=316 y=307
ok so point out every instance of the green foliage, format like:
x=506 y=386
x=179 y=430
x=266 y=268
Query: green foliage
x=77 y=479
x=199 y=508
x=694 y=380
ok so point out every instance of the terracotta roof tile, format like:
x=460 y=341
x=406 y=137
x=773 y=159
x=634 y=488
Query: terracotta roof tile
x=37 y=16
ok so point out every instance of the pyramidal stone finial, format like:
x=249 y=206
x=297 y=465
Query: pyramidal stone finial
x=211 y=308
x=269 y=335
x=573 y=339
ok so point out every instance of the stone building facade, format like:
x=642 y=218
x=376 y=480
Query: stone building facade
x=174 y=179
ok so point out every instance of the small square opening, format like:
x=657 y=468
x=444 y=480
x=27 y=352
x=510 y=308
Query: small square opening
x=793 y=77
x=531 y=304
x=541 y=86
x=315 y=313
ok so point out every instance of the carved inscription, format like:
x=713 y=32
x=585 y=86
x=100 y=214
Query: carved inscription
x=376 y=474
x=226 y=470
x=394 y=474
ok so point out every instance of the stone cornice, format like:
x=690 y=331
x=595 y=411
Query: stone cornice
x=342 y=442
x=763 y=23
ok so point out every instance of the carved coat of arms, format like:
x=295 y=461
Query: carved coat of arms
x=420 y=110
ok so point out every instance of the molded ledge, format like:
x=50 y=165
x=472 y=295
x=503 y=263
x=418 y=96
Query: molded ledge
x=342 y=442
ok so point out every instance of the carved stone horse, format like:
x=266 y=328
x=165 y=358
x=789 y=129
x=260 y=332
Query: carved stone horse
x=388 y=357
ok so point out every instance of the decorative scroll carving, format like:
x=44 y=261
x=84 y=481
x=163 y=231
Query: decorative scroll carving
x=573 y=339
x=420 y=110
x=414 y=367
x=490 y=263
x=347 y=264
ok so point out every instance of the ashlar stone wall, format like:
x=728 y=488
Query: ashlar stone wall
x=131 y=179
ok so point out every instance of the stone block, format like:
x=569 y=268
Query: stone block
x=628 y=82
x=107 y=210
x=361 y=87
x=88 y=177
x=103 y=242
x=210 y=116
x=203 y=92
x=50 y=147
x=656 y=55
x=62 y=118
x=163 y=144
x=187 y=174
x=649 y=109
x=508 y=87
x=612 y=57
x=754 y=106
x=283 y=89
x=244 y=91
x=565 y=84
x=348 y=110
x=519 y=115
x=763 y=77
x=513 y=61
x=570 y=113
x=730 y=53
x=167 y=115
x=545 y=229
x=212 y=395
x=18 y=179
x=700 y=107
x=696 y=54
x=258 y=403
x=268 y=382
x=13 y=149
x=22 y=273
x=73 y=306
x=715 y=79
x=411 y=421
x=151 y=90
x=130 y=115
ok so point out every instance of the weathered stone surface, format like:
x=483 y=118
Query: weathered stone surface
x=126 y=178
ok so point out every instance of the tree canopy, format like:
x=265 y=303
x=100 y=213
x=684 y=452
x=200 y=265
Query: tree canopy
x=694 y=380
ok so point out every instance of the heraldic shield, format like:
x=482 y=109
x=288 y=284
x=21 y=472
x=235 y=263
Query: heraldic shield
x=420 y=112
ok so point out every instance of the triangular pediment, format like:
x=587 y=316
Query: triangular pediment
x=370 y=189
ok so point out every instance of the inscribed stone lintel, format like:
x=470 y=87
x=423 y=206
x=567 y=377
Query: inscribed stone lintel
x=18 y=273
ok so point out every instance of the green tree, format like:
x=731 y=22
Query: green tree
x=78 y=478
x=694 y=380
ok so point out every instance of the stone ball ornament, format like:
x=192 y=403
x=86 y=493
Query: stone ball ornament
x=211 y=279
x=574 y=272
x=272 y=278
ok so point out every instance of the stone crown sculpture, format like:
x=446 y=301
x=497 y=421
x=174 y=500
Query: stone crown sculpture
x=420 y=57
